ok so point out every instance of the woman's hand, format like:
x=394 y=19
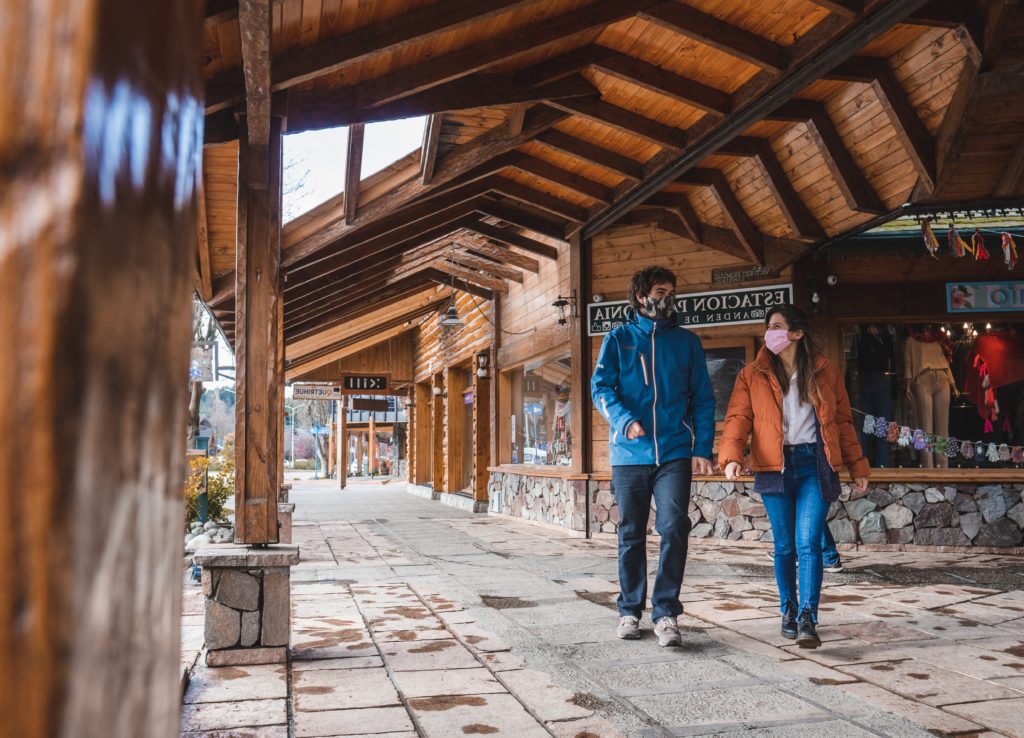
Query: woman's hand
x=732 y=470
x=861 y=483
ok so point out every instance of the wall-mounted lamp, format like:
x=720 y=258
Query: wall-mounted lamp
x=565 y=302
x=483 y=360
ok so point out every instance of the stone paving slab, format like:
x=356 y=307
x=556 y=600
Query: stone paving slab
x=236 y=714
x=231 y=683
x=332 y=689
x=448 y=682
x=352 y=722
x=461 y=715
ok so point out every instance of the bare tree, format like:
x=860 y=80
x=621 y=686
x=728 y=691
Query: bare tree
x=316 y=412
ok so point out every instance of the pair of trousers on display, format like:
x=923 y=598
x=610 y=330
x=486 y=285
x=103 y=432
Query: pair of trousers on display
x=931 y=400
x=876 y=400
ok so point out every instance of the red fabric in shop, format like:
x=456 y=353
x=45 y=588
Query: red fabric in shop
x=1003 y=353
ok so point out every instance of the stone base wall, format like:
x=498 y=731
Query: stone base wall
x=887 y=512
x=551 y=500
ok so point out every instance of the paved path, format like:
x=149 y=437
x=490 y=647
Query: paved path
x=411 y=618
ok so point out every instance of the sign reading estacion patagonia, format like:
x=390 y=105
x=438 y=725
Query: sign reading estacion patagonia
x=701 y=309
x=984 y=297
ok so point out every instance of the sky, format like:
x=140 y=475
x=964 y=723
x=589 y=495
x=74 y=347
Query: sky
x=319 y=156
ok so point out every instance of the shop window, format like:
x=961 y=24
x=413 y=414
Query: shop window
x=938 y=395
x=541 y=417
x=725 y=358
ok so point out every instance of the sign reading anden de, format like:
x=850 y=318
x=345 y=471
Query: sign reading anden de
x=701 y=309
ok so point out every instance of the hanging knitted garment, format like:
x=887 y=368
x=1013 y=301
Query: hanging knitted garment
x=1004 y=452
x=869 y=424
x=881 y=428
x=967 y=450
x=979 y=451
x=906 y=436
x=1017 y=455
x=919 y=439
x=940 y=445
x=992 y=453
x=929 y=443
x=952 y=448
x=893 y=434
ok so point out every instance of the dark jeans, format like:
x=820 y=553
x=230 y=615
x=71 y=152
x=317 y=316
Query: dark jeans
x=829 y=553
x=797 y=516
x=634 y=486
x=875 y=399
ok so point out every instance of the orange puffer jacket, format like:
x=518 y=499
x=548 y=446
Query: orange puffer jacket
x=756 y=405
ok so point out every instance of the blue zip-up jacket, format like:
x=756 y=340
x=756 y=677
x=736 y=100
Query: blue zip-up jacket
x=654 y=372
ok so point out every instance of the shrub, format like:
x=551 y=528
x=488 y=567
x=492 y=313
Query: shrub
x=220 y=484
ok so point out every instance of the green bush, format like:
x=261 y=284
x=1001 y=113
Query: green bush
x=220 y=485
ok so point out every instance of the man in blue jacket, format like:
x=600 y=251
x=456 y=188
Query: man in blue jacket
x=651 y=384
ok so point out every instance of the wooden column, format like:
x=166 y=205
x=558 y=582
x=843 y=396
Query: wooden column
x=359 y=454
x=423 y=458
x=453 y=423
x=580 y=425
x=259 y=374
x=100 y=134
x=437 y=428
x=481 y=435
x=371 y=448
x=332 y=450
x=516 y=395
x=342 y=443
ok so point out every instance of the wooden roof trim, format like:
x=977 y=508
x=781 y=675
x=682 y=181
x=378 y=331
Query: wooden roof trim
x=378 y=336
x=853 y=183
x=333 y=55
x=711 y=31
x=353 y=165
x=431 y=139
x=485 y=147
x=746 y=230
x=663 y=82
x=564 y=143
x=627 y=121
x=798 y=215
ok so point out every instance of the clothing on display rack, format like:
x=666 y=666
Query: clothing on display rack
x=875 y=363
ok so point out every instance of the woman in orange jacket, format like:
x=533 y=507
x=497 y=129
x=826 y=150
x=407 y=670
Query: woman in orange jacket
x=792 y=404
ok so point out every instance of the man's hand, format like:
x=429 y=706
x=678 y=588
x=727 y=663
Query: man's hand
x=702 y=466
x=732 y=470
x=635 y=430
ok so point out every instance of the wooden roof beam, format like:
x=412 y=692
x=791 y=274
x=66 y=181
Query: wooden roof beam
x=470 y=276
x=523 y=219
x=1011 y=182
x=373 y=337
x=475 y=244
x=716 y=239
x=911 y=130
x=443 y=278
x=570 y=145
x=845 y=8
x=353 y=165
x=626 y=121
x=679 y=205
x=428 y=151
x=336 y=54
x=725 y=37
x=558 y=176
x=542 y=200
x=801 y=220
x=486 y=266
x=853 y=183
x=661 y=81
x=254 y=29
x=746 y=230
x=512 y=238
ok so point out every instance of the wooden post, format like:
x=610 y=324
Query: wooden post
x=410 y=434
x=371 y=448
x=259 y=374
x=579 y=342
x=332 y=452
x=481 y=436
x=423 y=457
x=359 y=454
x=97 y=236
x=516 y=393
x=437 y=428
x=342 y=443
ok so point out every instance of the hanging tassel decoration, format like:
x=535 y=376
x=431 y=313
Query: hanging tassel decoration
x=869 y=424
x=1017 y=455
x=978 y=242
x=906 y=436
x=893 y=434
x=967 y=450
x=992 y=453
x=952 y=448
x=919 y=442
x=1009 y=250
x=957 y=246
x=881 y=428
x=930 y=241
x=1004 y=452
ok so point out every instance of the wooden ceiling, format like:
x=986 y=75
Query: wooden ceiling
x=752 y=129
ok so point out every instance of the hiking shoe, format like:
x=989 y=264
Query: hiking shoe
x=807 y=634
x=834 y=568
x=629 y=628
x=789 y=626
x=667 y=631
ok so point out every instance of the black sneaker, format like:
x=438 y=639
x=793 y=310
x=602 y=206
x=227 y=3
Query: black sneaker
x=789 y=626
x=807 y=634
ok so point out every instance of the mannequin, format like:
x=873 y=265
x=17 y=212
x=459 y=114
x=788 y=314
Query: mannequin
x=930 y=383
x=875 y=362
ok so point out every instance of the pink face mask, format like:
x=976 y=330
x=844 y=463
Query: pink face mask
x=776 y=340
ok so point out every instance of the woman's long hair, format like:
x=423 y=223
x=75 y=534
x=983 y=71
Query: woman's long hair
x=806 y=349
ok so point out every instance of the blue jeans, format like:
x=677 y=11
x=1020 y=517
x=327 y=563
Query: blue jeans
x=797 y=517
x=634 y=486
x=829 y=554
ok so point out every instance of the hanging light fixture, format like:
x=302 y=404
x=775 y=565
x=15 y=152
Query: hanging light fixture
x=451 y=318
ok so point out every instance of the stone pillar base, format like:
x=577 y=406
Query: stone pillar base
x=284 y=521
x=248 y=603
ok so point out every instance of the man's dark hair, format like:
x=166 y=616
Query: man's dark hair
x=645 y=279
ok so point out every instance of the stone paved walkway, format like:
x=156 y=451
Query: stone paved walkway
x=414 y=619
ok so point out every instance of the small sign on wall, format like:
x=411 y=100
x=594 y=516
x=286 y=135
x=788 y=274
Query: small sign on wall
x=984 y=297
x=700 y=309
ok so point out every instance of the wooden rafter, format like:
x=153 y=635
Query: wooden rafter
x=334 y=55
x=378 y=335
x=512 y=238
x=718 y=34
x=746 y=230
x=846 y=8
x=577 y=147
x=663 y=82
x=353 y=166
x=470 y=276
x=853 y=183
x=476 y=244
x=487 y=266
x=626 y=121
x=254 y=29
x=542 y=200
x=799 y=217
x=523 y=219
x=516 y=118
x=428 y=151
x=439 y=277
x=911 y=130
x=562 y=178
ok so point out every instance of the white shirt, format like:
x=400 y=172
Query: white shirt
x=797 y=417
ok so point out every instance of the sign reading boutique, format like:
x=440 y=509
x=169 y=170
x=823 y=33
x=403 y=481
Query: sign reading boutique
x=701 y=309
